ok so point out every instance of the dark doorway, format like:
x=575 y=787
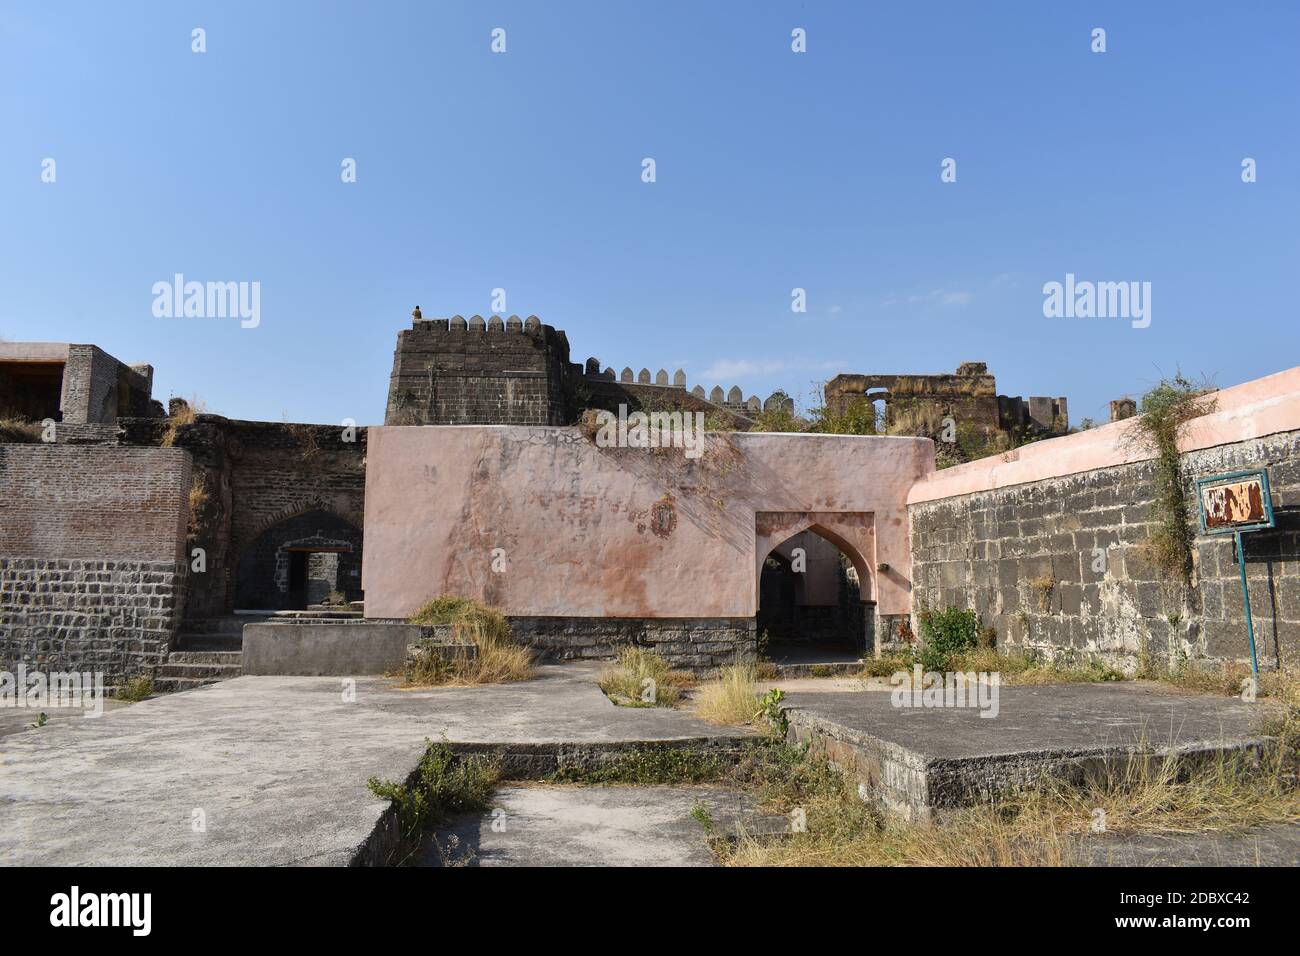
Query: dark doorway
x=300 y=561
x=810 y=604
x=298 y=577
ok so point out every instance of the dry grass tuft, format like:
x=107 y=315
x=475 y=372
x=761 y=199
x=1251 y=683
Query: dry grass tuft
x=1043 y=827
x=19 y=431
x=642 y=678
x=499 y=658
x=186 y=414
x=731 y=699
x=198 y=500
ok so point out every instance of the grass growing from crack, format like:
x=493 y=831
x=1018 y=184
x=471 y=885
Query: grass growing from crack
x=1015 y=667
x=499 y=658
x=443 y=783
x=136 y=688
x=642 y=678
x=649 y=765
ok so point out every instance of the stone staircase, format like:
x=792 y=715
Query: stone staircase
x=212 y=649
x=209 y=650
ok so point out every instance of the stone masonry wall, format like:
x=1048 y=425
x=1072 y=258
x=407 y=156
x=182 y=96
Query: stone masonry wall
x=1057 y=564
x=494 y=372
x=91 y=556
x=688 y=643
x=260 y=476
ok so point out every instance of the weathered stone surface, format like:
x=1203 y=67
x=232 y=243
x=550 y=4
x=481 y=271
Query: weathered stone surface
x=687 y=643
x=279 y=765
x=1074 y=582
x=919 y=762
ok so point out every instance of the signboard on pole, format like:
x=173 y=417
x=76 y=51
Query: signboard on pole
x=1235 y=502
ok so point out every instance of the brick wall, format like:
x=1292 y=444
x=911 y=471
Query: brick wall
x=260 y=478
x=91 y=555
x=1057 y=564
x=97 y=388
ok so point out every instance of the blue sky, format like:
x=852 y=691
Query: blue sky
x=775 y=170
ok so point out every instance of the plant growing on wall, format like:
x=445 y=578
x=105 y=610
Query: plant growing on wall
x=1043 y=586
x=1165 y=412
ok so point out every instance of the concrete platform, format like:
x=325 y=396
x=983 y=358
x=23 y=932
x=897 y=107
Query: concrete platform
x=275 y=768
x=919 y=762
x=594 y=826
x=338 y=647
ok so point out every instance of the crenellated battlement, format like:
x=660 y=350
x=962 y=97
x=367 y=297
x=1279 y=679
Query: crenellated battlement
x=733 y=399
x=498 y=370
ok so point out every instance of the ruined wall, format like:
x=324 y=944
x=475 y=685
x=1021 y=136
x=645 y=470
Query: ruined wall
x=263 y=481
x=493 y=372
x=91 y=556
x=1046 y=543
x=97 y=388
x=917 y=404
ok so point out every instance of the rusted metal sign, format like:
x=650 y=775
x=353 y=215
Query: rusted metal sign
x=1239 y=501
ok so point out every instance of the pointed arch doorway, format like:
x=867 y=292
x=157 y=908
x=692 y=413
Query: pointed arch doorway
x=815 y=587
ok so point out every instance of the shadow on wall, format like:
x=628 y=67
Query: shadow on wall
x=1269 y=548
x=300 y=561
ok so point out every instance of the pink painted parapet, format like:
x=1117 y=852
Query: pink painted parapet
x=577 y=528
x=1253 y=409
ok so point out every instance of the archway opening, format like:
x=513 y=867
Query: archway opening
x=810 y=603
x=310 y=559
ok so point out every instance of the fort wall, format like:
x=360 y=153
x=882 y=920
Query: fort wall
x=1046 y=542
x=92 y=562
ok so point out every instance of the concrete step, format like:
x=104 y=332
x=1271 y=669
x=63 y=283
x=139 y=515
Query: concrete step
x=170 y=685
x=214 y=671
x=317 y=614
x=209 y=643
x=185 y=656
x=813 y=669
x=229 y=624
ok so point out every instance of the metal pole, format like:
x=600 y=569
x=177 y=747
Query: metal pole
x=1245 y=597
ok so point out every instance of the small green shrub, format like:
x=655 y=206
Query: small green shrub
x=136 y=688
x=770 y=709
x=953 y=630
x=444 y=784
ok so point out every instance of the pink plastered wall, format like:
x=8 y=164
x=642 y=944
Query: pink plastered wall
x=1263 y=406
x=575 y=523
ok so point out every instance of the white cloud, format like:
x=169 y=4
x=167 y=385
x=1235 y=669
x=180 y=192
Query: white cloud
x=941 y=296
x=742 y=368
